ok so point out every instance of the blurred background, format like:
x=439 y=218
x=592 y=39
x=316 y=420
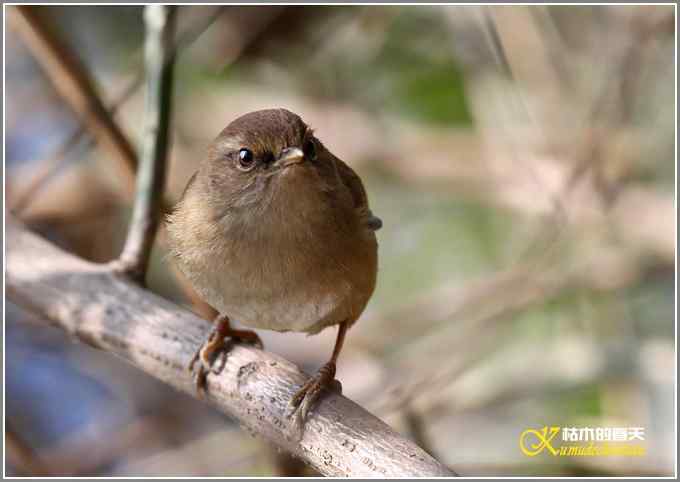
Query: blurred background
x=521 y=158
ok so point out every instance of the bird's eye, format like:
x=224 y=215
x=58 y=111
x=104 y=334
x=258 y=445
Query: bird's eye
x=246 y=159
x=310 y=149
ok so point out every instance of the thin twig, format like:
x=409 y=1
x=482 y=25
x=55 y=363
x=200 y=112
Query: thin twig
x=61 y=63
x=70 y=78
x=47 y=171
x=554 y=226
x=111 y=313
x=60 y=157
x=560 y=216
x=555 y=46
x=160 y=59
x=612 y=108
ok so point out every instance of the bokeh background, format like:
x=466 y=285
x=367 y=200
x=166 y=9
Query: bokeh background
x=521 y=158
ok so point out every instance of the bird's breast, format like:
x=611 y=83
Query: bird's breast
x=297 y=260
x=292 y=270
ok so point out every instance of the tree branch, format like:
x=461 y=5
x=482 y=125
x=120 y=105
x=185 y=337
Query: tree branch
x=160 y=59
x=23 y=199
x=109 y=312
x=70 y=78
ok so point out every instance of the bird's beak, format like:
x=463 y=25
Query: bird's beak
x=290 y=156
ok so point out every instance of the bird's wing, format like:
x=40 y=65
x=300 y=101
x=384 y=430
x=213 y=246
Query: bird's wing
x=189 y=183
x=356 y=188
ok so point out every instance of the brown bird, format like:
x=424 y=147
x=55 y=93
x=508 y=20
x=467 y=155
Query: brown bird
x=275 y=231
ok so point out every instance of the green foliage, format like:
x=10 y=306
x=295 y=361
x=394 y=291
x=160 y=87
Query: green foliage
x=426 y=83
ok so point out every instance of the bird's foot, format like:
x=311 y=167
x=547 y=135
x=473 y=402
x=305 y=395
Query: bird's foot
x=305 y=398
x=212 y=355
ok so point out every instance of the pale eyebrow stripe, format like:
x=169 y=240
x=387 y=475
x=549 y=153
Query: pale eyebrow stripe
x=231 y=143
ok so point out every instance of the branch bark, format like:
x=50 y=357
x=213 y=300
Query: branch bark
x=159 y=56
x=109 y=312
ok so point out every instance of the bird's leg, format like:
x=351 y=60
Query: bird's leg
x=309 y=393
x=215 y=346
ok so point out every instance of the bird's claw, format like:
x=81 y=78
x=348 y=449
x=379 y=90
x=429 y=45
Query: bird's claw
x=305 y=398
x=212 y=355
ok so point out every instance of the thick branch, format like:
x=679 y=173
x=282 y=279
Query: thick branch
x=108 y=312
x=159 y=57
